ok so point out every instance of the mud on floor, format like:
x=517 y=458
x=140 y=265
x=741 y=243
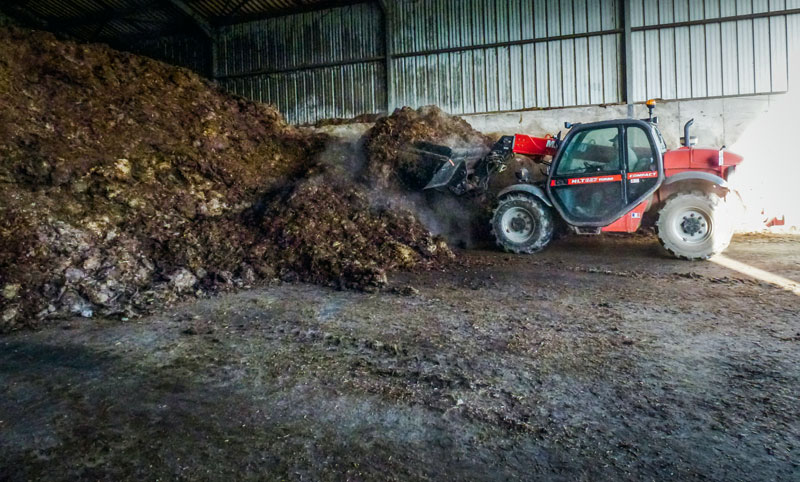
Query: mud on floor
x=600 y=359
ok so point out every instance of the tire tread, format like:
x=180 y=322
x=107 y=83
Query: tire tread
x=545 y=218
x=717 y=206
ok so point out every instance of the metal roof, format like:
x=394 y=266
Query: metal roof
x=125 y=22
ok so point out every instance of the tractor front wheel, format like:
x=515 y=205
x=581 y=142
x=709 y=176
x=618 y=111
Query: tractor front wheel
x=694 y=225
x=522 y=224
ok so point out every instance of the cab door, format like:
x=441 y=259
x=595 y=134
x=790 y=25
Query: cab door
x=604 y=170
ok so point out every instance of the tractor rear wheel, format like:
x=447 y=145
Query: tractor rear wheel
x=694 y=225
x=522 y=224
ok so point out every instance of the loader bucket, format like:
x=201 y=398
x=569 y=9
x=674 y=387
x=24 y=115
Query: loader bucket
x=454 y=162
x=446 y=173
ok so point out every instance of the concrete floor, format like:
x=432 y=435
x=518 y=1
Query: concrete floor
x=599 y=359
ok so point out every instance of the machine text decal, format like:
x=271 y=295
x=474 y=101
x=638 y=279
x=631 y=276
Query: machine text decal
x=643 y=175
x=591 y=180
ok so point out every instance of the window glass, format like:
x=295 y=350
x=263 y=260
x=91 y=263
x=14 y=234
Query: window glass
x=591 y=151
x=591 y=202
x=641 y=163
x=640 y=151
x=661 y=144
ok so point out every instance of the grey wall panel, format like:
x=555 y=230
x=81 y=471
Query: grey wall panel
x=309 y=95
x=761 y=55
x=778 y=52
x=543 y=74
x=638 y=66
x=185 y=51
x=614 y=71
x=669 y=43
x=697 y=62
x=793 y=42
x=474 y=56
x=730 y=58
x=714 y=54
x=504 y=60
x=744 y=49
x=336 y=35
x=582 y=72
x=423 y=25
x=516 y=78
x=312 y=66
x=659 y=12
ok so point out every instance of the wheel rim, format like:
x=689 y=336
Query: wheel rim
x=693 y=226
x=518 y=224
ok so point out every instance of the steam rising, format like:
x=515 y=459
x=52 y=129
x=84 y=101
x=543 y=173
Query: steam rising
x=461 y=221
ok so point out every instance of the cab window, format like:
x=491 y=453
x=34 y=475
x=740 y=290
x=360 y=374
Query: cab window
x=640 y=151
x=591 y=151
x=642 y=163
x=662 y=146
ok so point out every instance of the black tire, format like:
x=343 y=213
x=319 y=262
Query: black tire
x=522 y=224
x=694 y=225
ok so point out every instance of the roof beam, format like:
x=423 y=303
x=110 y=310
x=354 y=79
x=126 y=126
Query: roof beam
x=198 y=20
x=235 y=9
x=283 y=11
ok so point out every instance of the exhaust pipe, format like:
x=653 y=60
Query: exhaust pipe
x=687 y=141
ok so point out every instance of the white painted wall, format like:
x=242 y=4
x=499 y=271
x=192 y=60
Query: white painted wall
x=717 y=121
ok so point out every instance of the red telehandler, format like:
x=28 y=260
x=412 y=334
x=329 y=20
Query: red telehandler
x=602 y=177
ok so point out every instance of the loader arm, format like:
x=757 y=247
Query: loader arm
x=461 y=173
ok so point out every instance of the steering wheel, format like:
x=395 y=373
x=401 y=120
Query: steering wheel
x=593 y=166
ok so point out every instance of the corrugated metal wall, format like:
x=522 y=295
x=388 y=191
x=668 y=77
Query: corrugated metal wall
x=312 y=66
x=687 y=49
x=186 y=51
x=487 y=56
x=477 y=56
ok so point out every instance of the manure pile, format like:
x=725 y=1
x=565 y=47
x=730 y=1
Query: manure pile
x=128 y=184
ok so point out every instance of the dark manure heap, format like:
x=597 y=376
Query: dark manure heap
x=128 y=184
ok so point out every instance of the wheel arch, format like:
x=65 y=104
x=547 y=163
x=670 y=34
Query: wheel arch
x=688 y=182
x=535 y=191
x=696 y=176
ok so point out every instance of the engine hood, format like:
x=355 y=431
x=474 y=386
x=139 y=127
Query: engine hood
x=699 y=158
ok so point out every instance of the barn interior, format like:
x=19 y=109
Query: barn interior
x=399 y=240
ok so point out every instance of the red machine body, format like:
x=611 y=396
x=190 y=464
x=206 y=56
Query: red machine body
x=676 y=161
x=694 y=159
x=535 y=146
x=604 y=176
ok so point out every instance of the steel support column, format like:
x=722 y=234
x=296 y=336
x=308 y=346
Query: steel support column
x=386 y=9
x=628 y=54
x=214 y=53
